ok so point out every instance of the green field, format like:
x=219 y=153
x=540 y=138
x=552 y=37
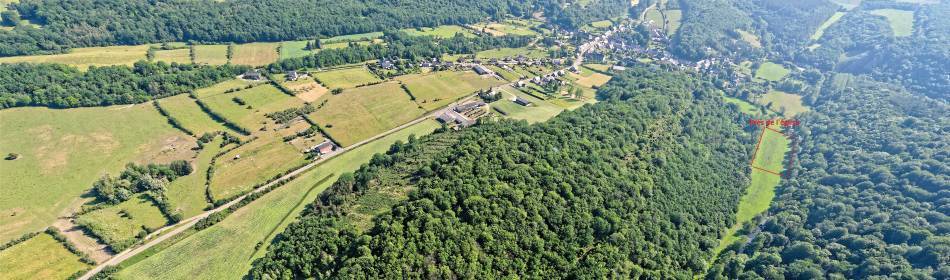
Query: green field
x=182 y=56
x=63 y=152
x=346 y=78
x=601 y=24
x=85 y=57
x=771 y=71
x=656 y=16
x=588 y=77
x=291 y=49
x=437 y=89
x=40 y=257
x=443 y=31
x=821 y=29
x=186 y=195
x=255 y=54
x=539 y=111
x=785 y=103
x=119 y=225
x=361 y=113
x=259 y=161
x=226 y=250
x=353 y=37
x=744 y=106
x=512 y=52
x=259 y=100
x=902 y=22
x=511 y=29
x=673 y=20
x=749 y=38
x=211 y=54
x=187 y=112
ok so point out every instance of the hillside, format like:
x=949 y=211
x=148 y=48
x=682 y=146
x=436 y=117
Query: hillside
x=638 y=185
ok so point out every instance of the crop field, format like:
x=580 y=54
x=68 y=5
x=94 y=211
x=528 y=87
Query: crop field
x=673 y=20
x=85 y=57
x=255 y=162
x=346 y=78
x=785 y=103
x=821 y=29
x=437 y=89
x=226 y=250
x=539 y=110
x=182 y=56
x=255 y=54
x=902 y=22
x=187 y=194
x=40 y=257
x=211 y=54
x=187 y=112
x=361 y=113
x=307 y=89
x=258 y=101
x=512 y=52
x=443 y=31
x=749 y=38
x=771 y=71
x=119 y=224
x=63 y=152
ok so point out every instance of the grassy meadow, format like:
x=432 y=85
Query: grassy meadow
x=83 y=58
x=361 y=113
x=539 y=111
x=902 y=22
x=770 y=71
x=63 y=152
x=187 y=112
x=187 y=194
x=831 y=21
x=437 y=89
x=40 y=257
x=182 y=56
x=211 y=54
x=749 y=38
x=121 y=223
x=346 y=78
x=512 y=52
x=784 y=103
x=673 y=20
x=255 y=54
x=258 y=101
x=226 y=250
x=443 y=31
x=589 y=78
x=744 y=106
x=259 y=161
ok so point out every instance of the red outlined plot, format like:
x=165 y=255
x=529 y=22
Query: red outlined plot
x=765 y=131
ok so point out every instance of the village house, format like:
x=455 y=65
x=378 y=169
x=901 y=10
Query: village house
x=482 y=70
x=294 y=75
x=386 y=64
x=468 y=106
x=521 y=101
x=324 y=147
x=252 y=75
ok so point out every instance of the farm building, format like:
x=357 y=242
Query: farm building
x=252 y=75
x=469 y=106
x=386 y=64
x=294 y=75
x=482 y=70
x=521 y=101
x=324 y=147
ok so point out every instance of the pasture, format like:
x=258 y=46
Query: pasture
x=437 y=89
x=63 y=152
x=181 y=56
x=770 y=71
x=189 y=115
x=211 y=54
x=673 y=20
x=346 y=78
x=589 y=78
x=655 y=16
x=744 y=106
x=256 y=162
x=512 y=52
x=442 y=31
x=783 y=103
x=40 y=257
x=186 y=194
x=364 y=112
x=226 y=250
x=292 y=49
x=824 y=25
x=258 y=101
x=119 y=225
x=83 y=58
x=902 y=22
x=749 y=38
x=539 y=111
x=255 y=54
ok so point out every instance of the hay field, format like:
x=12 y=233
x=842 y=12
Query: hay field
x=211 y=54
x=437 y=89
x=259 y=161
x=63 y=152
x=307 y=89
x=255 y=54
x=512 y=52
x=443 y=31
x=187 y=194
x=364 y=112
x=182 y=56
x=187 y=112
x=539 y=110
x=40 y=257
x=258 y=101
x=85 y=57
x=770 y=71
x=346 y=78
x=784 y=103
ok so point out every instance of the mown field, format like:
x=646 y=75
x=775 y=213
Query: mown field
x=64 y=151
x=85 y=57
x=258 y=101
x=307 y=89
x=443 y=31
x=187 y=112
x=186 y=195
x=211 y=54
x=40 y=257
x=181 y=56
x=119 y=225
x=512 y=52
x=589 y=78
x=539 y=110
x=902 y=22
x=770 y=71
x=253 y=163
x=437 y=89
x=785 y=103
x=744 y=106
x=255 y=54
x=226 y=250
x=346 y=78
x=361 y=113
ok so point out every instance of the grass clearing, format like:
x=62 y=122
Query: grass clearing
x=211 y=54
x=256 y=162
x=40 y=257
x=512 y=52
x=442 y=31
x=824 y=25
x=187 y=194
x=361 y=113
x=187 y=112
x=181 y=56
x=749 y=38
x=63 y=152
x=226 y=250
x=770 y=71
x=83 y=58
x=655 y=16
x=744 y=106
x=292 y=49
x=673 y=20
x=119 y=225
x=258 y=101
x=353 y=37
x=438 y=89
x=589 y=78
x=255 y=54
x=601 y=24
x=784 y=103
x=902 y=22
x=539 y=111
x=346 y=78
x=511 y=29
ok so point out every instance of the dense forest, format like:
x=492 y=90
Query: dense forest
x=68 y=24
x=61 y=86
x=709 y=27
x=787 y=25
x=639 y=185
x=869 y=195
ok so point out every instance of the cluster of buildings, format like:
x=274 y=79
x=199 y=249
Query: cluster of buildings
x=463 y=115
